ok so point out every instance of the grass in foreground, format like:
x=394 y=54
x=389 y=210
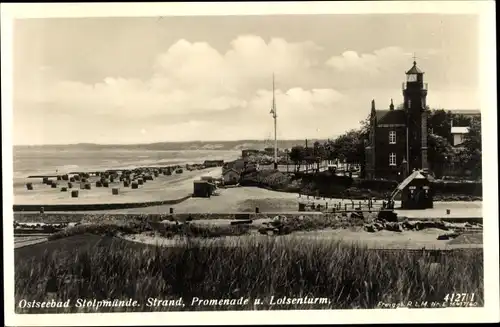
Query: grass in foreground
x=350 y=276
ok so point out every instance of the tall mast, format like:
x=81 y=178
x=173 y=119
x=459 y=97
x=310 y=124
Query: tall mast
x=275 y=134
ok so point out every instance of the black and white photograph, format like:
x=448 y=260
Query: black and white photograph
x=167 y=164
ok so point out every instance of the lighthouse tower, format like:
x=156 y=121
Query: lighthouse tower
x=415 y=94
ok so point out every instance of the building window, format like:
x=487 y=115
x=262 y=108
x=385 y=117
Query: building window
x=409 y=103
x=392 y=137
x=392 y=159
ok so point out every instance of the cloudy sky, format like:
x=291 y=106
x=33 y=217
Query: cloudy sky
x=140 y=80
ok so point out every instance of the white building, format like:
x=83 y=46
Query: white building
x=459 y=134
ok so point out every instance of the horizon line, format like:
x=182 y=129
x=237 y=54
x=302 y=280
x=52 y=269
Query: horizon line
x=172 y=142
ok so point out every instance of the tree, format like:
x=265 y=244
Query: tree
x=473 y=147
x=297 y=156
x=439 y=123
x=366 y=125
x=309 y=158
x=468 y=156
x=350 y=146
x=461 y=120
x=331 y=154
x=473 y=137
x=319 y=154
x=440 y=153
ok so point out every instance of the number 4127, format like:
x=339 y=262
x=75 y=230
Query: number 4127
x=459 y=297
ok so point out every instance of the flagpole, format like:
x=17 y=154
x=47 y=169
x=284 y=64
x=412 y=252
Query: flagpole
x=275 y=129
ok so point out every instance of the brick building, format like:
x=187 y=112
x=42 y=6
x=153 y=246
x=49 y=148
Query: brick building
x=398 y=137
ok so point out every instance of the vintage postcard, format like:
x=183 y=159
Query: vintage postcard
x=249 y=163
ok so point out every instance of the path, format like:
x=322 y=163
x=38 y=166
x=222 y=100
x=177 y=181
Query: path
x=236 y=199
x=22 y=241
x=462 y=209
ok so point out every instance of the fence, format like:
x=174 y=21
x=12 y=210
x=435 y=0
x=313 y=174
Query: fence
x=326 y=204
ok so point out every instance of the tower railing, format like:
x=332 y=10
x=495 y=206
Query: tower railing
x=405 y=85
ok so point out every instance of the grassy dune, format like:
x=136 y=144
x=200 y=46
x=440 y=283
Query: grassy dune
x=349 y=275
x=107 y=226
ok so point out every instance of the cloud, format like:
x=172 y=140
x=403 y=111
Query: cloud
x=376 y=62
x=199 y=92
x=383 y=68
x=190 y=79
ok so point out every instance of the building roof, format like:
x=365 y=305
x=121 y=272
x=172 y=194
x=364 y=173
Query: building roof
x=466 y=112
x=390 y=116
x=414 y=69
x=414 y=175
x=459 y=130
x=230 y=170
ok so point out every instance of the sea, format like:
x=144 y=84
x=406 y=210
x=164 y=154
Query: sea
x=39 y=161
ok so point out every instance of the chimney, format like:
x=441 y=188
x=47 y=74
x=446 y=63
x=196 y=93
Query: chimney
x=373 y=104
x=391 y=107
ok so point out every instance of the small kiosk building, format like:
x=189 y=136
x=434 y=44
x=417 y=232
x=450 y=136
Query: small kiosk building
x=416 y=191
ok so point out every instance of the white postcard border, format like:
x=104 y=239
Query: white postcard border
x=486 y=10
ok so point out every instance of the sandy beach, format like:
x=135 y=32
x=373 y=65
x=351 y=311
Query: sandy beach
x=162 y=188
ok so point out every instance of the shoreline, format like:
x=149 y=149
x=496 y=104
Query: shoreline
x=164 y=189
x=21 y=175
